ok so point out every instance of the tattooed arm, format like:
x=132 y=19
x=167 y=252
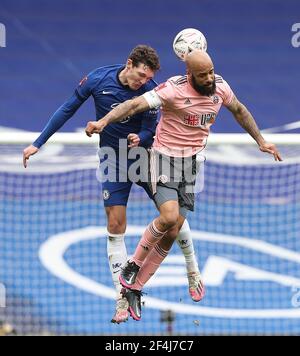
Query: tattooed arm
x=128 y=108
x=247 y=122
x=245 y=119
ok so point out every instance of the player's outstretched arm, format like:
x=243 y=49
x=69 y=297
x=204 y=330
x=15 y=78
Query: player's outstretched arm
x=59 y=118
x=128 y=108
x=247 y=122
x=27 y=153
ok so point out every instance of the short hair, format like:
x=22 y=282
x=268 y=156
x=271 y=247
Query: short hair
x=146 y=55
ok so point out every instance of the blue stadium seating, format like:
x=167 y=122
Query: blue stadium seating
x=52 y=45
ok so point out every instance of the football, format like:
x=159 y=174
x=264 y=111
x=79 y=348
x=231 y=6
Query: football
x=187 y=40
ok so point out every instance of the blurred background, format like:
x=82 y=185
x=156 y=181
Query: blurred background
x=247 y=219
x=51 y=45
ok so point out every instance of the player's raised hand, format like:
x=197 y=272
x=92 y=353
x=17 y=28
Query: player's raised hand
x=134 y=140
x=272 y=149
x=95 y=127
x=29 y=151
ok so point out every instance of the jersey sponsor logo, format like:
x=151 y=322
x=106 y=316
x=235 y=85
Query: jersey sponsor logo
x=188 y=101
x=104 y=92
x=83 y=81
x=125 y=121
x=196 y=120
x=153 y=112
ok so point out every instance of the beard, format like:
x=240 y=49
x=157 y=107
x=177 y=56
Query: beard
x=204 y=90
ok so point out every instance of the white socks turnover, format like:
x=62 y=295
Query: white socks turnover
x=117 y=258
x=185 y=242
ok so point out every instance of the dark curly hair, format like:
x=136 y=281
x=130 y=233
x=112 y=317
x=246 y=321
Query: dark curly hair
x=146 y=55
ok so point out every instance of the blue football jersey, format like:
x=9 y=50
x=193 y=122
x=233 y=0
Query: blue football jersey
x=108 y=92
x=104 y=86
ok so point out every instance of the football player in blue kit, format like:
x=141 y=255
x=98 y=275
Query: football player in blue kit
x=110 y=86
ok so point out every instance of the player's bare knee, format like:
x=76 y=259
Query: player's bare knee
x=169 y=219
x=116 y=224
x=169 y=214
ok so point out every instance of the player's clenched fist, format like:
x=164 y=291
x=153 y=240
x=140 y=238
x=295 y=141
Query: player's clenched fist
x=29 y=151
x=95 y=127
x=134 y=140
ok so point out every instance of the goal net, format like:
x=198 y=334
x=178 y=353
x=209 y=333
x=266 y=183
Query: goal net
x=54 y=273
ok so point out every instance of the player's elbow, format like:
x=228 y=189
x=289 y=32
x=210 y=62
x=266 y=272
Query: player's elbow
x=68 y=110
x=241 y=109
x=239 y=112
